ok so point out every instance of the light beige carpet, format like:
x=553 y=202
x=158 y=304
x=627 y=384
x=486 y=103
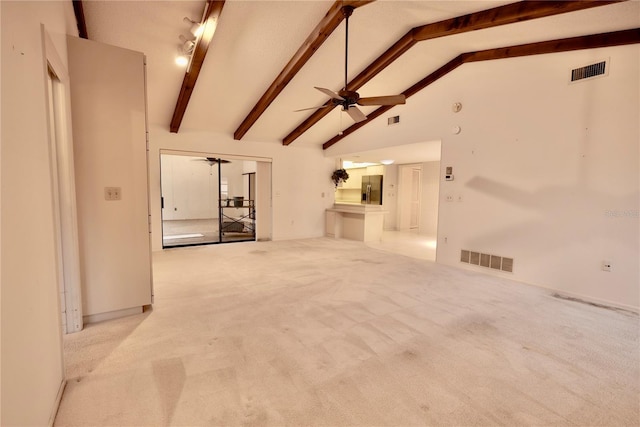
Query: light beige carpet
x=326 y=332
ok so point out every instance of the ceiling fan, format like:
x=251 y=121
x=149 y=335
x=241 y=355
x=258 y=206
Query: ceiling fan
x=349 y=98
x=212 y=160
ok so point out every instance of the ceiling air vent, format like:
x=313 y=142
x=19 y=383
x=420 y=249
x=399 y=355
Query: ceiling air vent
x=393 y=120
x=590 y=71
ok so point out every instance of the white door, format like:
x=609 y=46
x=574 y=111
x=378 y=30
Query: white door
x=409 y=192
x=414 y=221
x=110 y=134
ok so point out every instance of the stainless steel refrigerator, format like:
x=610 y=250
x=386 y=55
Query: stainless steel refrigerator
x=372 y=190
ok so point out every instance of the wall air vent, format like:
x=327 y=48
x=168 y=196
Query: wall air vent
x=599 y=69
x=487 y=260
x=393 y=120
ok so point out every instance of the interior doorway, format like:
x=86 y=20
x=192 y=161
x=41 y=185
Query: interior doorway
x=207 y=199
x=63 y=191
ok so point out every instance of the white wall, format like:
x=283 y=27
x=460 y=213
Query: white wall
x=548 y=170
x=189 y=187
x=32 y=369
x=109 y=128
x=301 y=179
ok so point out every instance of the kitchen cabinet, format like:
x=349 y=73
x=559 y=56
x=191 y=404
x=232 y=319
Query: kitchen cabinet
x=375 y=170
x=355 y=178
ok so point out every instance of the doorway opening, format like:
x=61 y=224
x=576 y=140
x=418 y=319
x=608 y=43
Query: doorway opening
x=207 y=199
x=63 y=191
x=411 y=195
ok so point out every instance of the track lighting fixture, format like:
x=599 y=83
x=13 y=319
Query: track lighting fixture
x=187 y=45
x=185 y=50
x=196 y=27
x=182 y=60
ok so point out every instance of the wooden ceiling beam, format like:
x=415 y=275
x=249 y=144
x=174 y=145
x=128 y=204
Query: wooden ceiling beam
x=501 y=15
x=210 y=22
x=616 y=38
x=81 y=23
x=320 y=33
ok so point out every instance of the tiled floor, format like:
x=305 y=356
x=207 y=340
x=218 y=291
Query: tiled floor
x=407 y=243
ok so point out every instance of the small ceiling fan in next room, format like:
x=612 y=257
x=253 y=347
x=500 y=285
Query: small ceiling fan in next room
x=212 y=161
x=349 y=98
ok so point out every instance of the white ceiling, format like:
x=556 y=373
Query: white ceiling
x=255 y=39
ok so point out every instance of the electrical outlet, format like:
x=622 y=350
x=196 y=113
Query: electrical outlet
x=606 y=265
x=449 y=198
x=112 y=193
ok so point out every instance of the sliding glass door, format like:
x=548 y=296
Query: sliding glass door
x=206 y=200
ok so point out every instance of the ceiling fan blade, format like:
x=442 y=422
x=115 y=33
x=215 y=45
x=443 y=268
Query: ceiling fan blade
x=329 y=93
x=212 y=160
x=356 y=114
x=383 y=100
x=310 y=108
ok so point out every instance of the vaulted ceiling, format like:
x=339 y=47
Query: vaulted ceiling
x=254 y=41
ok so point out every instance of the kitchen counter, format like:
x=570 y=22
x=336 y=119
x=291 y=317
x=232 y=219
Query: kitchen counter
x=355 y=221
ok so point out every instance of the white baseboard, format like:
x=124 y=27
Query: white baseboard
x=585 y=299
x=101 y=317
x=56 y=404
x=594 y=301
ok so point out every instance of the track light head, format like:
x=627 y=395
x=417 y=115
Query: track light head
x=187 y=44
x=196 y=27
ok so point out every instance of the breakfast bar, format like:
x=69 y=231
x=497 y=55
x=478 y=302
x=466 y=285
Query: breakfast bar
x=355 y=221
